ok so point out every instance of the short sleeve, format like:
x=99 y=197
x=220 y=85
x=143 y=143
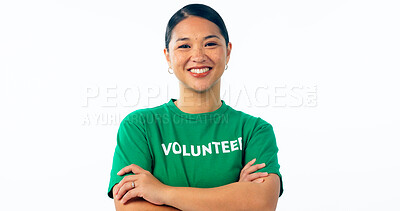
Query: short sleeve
x=132 y=148
x=262 y=146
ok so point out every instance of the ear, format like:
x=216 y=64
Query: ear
x=228 y=52
x=166 y=53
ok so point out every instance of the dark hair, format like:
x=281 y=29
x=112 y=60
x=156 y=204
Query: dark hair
x=199 y=10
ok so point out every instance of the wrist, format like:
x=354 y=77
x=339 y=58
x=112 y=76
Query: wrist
x=168 y=194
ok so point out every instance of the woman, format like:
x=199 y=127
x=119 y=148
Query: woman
x=190 y=153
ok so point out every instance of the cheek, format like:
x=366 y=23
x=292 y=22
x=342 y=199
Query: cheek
x=178 y=59
x=218 y=56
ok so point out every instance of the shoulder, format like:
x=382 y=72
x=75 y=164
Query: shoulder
x=249 y=120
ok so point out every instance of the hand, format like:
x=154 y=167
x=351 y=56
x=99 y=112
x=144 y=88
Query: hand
x=246 y=176
x=146 y=186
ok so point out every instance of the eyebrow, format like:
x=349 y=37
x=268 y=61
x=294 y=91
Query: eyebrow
x=208 y=37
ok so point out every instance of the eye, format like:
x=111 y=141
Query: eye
x=184 y=46
x=211 y=44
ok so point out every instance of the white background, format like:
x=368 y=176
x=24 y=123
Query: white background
x=338 y=153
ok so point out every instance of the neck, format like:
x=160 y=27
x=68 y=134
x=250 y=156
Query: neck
x=193 y=102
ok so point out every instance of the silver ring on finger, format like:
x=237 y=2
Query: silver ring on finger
x=133 y=184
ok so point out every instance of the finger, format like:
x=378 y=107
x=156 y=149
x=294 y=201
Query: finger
x=249 y=164
x=257 y=175
x=126 y=179
x=259 y=180
x=131 y=168
x=118 y=186
x=130 y=195
x=124 y=188
x=254 y=168
x=115 y=190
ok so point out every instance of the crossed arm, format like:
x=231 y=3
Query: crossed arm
x=260 y=194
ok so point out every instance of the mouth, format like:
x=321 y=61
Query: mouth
x=199 y=70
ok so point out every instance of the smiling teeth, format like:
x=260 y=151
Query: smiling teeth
x=203 y=70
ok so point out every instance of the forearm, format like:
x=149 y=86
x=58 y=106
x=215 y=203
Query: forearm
x=141 y=204
x=235 y=196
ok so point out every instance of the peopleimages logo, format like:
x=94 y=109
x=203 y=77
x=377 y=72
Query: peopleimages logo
x=108 y=105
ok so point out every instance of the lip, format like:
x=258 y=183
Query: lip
x=200 y=75
x=198 y=67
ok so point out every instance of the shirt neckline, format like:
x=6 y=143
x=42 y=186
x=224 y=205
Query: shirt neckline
x=199 y=116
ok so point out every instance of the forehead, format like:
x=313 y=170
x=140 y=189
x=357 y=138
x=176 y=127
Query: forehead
x=195 y=27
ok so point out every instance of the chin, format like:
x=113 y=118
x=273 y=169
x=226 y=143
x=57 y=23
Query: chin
x=199 y=91
x=202 y=89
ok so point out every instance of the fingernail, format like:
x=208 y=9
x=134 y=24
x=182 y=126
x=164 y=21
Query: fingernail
x=265 y=173
x=259 y=180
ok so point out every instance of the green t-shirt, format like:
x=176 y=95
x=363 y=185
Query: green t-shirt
x=194 y=150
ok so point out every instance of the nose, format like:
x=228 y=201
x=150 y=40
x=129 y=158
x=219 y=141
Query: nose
x=198 y=55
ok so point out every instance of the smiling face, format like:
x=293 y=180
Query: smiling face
x=197 y=46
